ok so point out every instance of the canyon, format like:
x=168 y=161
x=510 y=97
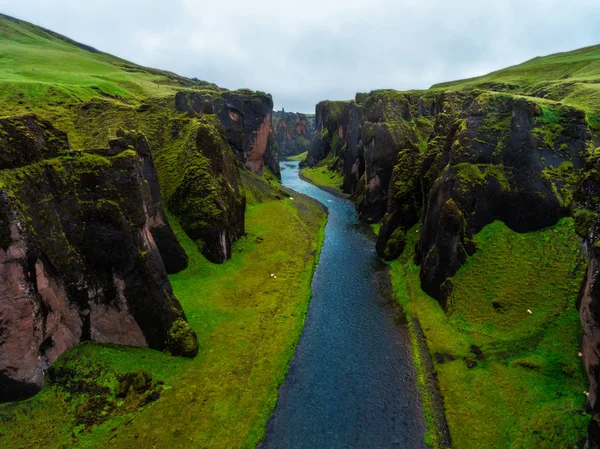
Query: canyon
x=146 y=216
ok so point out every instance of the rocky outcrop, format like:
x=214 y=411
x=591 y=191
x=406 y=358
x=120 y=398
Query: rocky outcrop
x=328 y=130
x=456 y=161
x=586 y=211
x=246 y=117
x=510 y=159
x=205 y=189
x=293 y=132
x=173 y=255
x=78 y=260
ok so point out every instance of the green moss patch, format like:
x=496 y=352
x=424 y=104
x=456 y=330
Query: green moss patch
x=509 y=378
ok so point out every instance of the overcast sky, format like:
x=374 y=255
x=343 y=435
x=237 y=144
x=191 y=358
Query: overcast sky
x=311 y=50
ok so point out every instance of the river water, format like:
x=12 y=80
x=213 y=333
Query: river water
x=351 y=382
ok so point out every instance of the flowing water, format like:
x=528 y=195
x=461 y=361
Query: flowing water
x=351 y=383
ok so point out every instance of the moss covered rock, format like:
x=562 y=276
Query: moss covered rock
x=78 y=259
x=293 y=132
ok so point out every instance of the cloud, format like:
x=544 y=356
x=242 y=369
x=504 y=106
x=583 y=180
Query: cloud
x=304 y=52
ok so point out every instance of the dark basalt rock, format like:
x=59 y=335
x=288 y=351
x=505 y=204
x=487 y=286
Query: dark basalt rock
x=246 y=118
x=293 y=132
x=173 y=255
x=405 y=202
x=78 y=260
x=505 y=163
x=208 y=197
x=586 y=211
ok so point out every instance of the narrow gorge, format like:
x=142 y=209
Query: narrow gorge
x=182 y=265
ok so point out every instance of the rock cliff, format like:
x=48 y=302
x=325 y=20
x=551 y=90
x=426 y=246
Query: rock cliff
x=78 y=256
x=293 y=132
x=246 y=117
x=586 y=211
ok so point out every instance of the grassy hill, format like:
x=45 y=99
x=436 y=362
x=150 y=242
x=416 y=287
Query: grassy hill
x=51 y=75
x=573 y=78
x=44 y=68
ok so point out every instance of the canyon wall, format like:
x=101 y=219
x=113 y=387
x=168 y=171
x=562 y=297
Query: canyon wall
x=247 y=119
x=457 y=161
x=293 y=132
x=81 y=236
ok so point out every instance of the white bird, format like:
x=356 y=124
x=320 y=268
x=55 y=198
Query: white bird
x=586 y=393
x=529 y=312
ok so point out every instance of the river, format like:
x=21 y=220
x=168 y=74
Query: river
x=351 y=382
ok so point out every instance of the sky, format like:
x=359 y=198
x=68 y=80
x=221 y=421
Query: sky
x=306 y=51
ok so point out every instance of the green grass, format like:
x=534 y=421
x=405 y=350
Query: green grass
x=573 y=78
x=320 y=175
x=375 y=227
x=47 y=69
x=528 y=390
x=298 y=157
x=247 y=324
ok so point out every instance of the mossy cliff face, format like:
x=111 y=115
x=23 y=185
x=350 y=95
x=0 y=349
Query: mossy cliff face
x=246 y=117
x=586 y=211
x=293 y=132
x=328 y=130
x=77 y=254
x=198 y=171
x=496 y=156
x=173 y=255
x=206 y=192
x=366 y=136
x=506 y=160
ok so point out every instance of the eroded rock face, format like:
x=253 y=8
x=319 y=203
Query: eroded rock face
x=78 y=260
x=207 y=194
x=173 y=255
x=246 y=117
x=505 y=161
x=293 y=132
x=586 y=211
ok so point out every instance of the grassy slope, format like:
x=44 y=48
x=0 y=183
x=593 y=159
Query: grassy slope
x=572 y=78
x=321 y=175
x=40 y=68
x=247 y=323
x=528 y=390
x=298 y=157
x=47 y=74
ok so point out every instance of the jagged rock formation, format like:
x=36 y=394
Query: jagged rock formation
x=586 y=211
x=173 y=255
x=246 y=117
x=458 y=161
x=78 y=259
x=293 y=132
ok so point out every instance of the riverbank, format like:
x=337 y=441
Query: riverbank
x=248 y=324
x=509 y=378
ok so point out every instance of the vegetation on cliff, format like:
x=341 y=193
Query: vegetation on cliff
x=247 y=324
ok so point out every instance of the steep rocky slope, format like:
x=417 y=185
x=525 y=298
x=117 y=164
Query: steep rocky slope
x=196 y=131
x=78 y=254
x=437 y=168
x=293 y=132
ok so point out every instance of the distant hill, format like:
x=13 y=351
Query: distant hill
x=40 y=69
x=572 y=78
